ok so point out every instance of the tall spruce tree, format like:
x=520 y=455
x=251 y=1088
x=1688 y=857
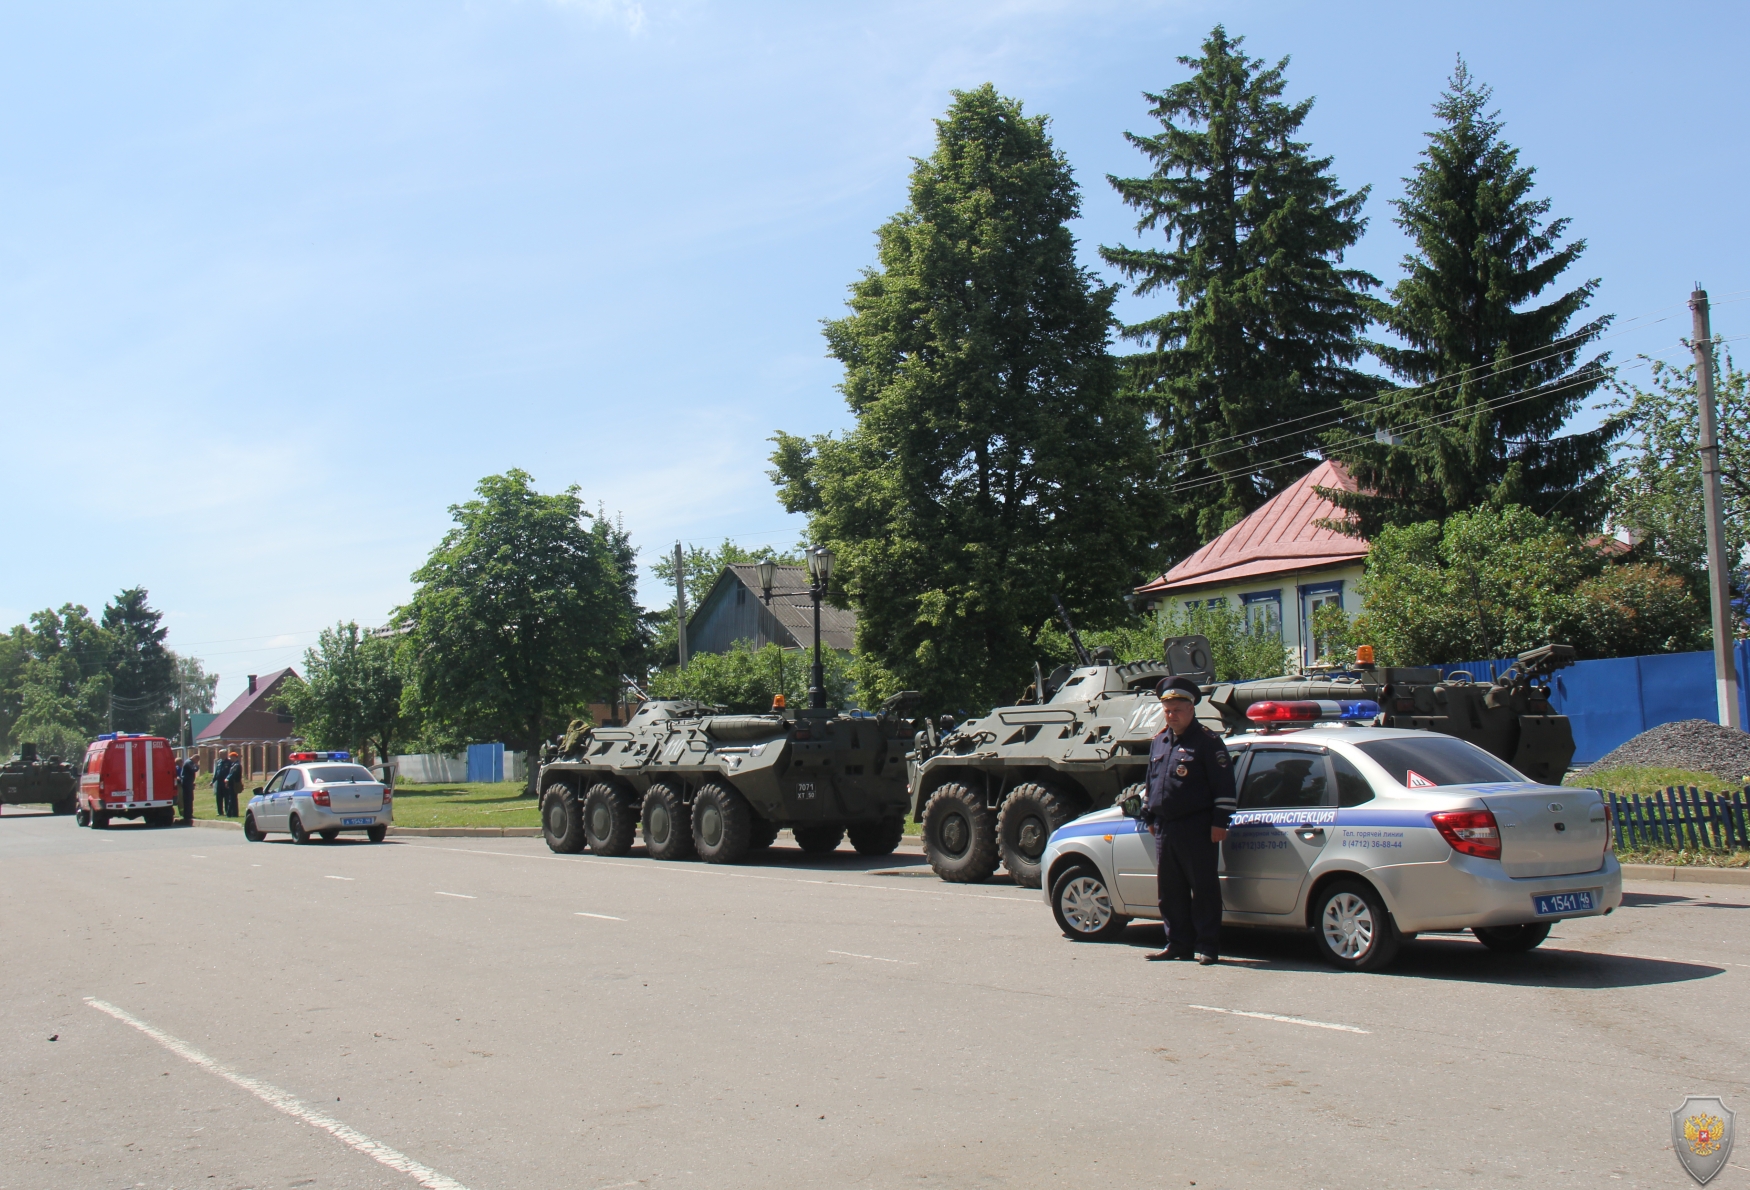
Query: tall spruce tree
x=994 y=463
x=1267 y=322
x=144 y=671
x=1488 y=383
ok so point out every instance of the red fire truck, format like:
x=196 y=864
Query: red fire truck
x=128 y=776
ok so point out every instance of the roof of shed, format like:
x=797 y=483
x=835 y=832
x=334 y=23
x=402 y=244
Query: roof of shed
x=792 y=606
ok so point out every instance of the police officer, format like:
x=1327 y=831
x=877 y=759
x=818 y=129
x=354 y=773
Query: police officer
x=1190 y=802
x=185 y=775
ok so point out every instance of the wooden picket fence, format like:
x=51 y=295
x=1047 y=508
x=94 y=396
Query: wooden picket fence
x=1682 y=819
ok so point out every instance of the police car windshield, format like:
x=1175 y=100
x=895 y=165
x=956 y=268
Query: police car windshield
x=335 y=774
x=1437 y=760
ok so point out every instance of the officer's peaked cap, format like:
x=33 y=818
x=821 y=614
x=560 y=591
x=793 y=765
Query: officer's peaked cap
x=1179 y=688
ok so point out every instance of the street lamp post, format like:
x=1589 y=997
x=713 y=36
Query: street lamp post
x=820 y=567
x=768 y=572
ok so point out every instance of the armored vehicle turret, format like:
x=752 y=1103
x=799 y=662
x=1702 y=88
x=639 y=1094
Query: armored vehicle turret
x=701 y=782
x=994 y=788
x=27 y=779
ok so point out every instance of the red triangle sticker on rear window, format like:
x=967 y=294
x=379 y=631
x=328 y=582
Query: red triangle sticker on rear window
x=1416 y=780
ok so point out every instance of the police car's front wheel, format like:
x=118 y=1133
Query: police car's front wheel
x=1354 y=929
x=1082 y=904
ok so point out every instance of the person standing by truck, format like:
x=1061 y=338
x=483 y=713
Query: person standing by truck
x=185 y=776
x=227 y=782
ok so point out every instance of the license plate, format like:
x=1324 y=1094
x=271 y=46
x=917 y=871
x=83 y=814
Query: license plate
x=369 y=821
x=1574 y=902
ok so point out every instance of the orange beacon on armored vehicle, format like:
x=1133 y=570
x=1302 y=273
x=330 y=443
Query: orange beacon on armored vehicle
x=128 y=776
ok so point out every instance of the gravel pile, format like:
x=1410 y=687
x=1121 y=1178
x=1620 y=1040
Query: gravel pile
x=1686 y=744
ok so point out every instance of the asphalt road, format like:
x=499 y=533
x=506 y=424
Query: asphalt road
x=184 y=1009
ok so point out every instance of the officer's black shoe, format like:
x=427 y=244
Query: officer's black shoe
x=1168 y=956
x=1206 y=960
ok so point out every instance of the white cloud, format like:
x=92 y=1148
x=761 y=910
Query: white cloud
x=629 y=14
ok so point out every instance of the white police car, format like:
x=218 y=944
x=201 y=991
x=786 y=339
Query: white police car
x=320 y=793
x=1366 y=836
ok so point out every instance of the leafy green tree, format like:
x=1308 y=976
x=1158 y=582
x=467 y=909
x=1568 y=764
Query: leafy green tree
x=523 y=615
x=993 y=462
x=1656 y=488
x=57 y=681
x=1489 y=380
x=703 y=565
x=193 y=694
x=1267 y=322
x=143 y=671
x=351 y=695
x=744 y=679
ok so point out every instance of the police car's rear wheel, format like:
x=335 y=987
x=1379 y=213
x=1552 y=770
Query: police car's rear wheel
x=329 y=835
x=668 y=823
x=1082 y=904
x=610 y=821
x=1513 y=939
x=960 y=834
x=561 y=819
x=377 y=834
x=296 y=827
x=721 y=823
x=1354 y=930
x=250 y=830
x=1025 y=824
x=877 y=838
x=817 y=839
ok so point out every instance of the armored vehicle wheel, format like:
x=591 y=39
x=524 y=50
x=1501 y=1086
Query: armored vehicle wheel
x=818 y=839
x=82 y=817
x=960 y=834
x=1029 y=815
x=1082 y=904
x=1513 y=939
x=762 y=833
x=329 y=835
x=722 y=822
x=877 y=838
x=668 y=823
x=298 y=833
x=377 y=834
x=610 y=820
x=1354 y=929
x=561 y=819
x=250 y=831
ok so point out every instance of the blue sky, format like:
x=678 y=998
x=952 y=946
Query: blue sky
x=279 y=284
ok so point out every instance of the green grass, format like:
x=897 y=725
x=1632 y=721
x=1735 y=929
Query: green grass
x=488 y=803
x=1645 y=780
x=1685 y=858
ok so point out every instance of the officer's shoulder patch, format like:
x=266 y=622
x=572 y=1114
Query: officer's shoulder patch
x=1221 y=756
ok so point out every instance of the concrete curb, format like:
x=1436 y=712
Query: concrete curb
x=468 y=832
x=222 y=823
x=1686 y=873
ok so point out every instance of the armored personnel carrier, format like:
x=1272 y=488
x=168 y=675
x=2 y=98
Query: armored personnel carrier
x=702 y=783
x=993 y=789
x=27 y=779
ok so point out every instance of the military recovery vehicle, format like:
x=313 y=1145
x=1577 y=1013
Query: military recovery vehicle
x=702 y=783
x=27 y=779
x=993 y=789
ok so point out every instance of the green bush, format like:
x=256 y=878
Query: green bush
x=745 y=679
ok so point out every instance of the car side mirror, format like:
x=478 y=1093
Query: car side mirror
x=1132 y=806
x=256 y=792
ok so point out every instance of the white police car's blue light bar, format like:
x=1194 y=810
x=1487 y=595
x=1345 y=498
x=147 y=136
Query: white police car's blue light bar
x=302 y=757
x=1313 y=710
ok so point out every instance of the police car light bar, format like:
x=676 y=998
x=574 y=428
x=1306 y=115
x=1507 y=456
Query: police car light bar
x=302 y=757
x=1313 y=710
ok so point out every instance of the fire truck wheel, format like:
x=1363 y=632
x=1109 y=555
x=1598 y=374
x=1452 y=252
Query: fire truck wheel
x=761 y=834
x=818 y=840
x=610 y=820
x=299 y=834
x=960 y=834
x=83 y=818
x=722 y=822
x=329 y=835
x=877 y=838
x=1029 y=815
x=250 y=831
x=99 y=822
x=668 y=823
x=562 y=819
x=377 y=834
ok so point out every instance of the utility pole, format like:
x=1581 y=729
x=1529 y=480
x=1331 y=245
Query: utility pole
x=1719 y=567
x=680 y=599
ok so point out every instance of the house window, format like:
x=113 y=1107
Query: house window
x=1193 y=605
x=740 y=596
x=1263 y=611
x=1313 y=597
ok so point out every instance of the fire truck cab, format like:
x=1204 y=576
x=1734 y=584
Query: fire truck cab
x=127 y=776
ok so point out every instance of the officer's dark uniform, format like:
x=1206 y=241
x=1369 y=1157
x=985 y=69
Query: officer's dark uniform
x=185 y=785
x=1190 y=791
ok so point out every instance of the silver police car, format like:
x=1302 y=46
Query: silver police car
x=320 y=793
x=1366 y=836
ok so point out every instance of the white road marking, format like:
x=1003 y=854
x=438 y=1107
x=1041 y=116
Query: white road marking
x=871 y=957
x=193 y=856
x=464 y=896
x=1287 y=1020
x=603 y=916
x=289 y=1104
x=339 y=878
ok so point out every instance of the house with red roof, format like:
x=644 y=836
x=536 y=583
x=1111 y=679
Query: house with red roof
x=253 y=726
x=1278 y=565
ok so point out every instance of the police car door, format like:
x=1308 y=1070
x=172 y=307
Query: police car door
x=1287 y=805
x=267 y=816
x=1134 y=856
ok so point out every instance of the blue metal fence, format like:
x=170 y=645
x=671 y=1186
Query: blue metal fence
x=1610 y=702
x=485 y=762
